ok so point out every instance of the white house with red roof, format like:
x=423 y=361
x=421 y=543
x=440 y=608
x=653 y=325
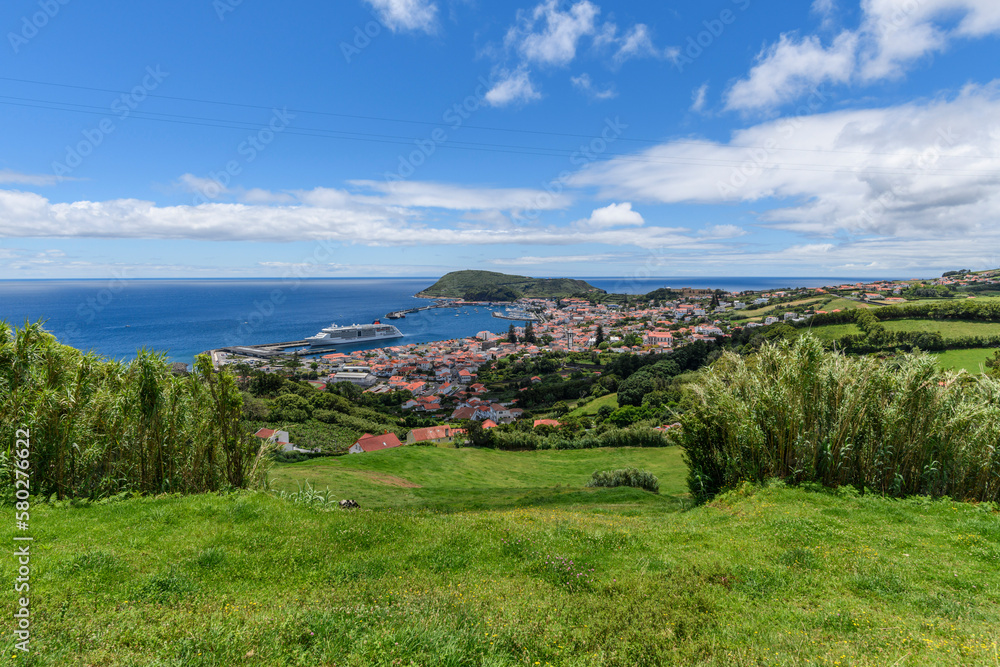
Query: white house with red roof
x=374 y=443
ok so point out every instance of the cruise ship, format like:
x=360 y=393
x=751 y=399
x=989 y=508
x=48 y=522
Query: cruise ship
x=355 y=333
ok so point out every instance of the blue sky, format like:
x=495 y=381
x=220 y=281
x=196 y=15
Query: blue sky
x=412 y=137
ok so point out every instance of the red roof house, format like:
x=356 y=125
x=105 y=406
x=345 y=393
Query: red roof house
x=374 y=443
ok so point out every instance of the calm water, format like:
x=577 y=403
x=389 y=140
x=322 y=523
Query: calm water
x=186 y=317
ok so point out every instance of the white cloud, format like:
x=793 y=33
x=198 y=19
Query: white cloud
x=427 y=194
x=561 y=259
x=513 y=88
x=891 y=37
x=17 y=178
x=33 y=216
x=403 y=15
x=722 y=232
x=916 y=170
x=784 y=71
x=549 y=36
x=209 y=188
x=613 y=215
x=698 y=98
x=586 y=85
x=636 y=43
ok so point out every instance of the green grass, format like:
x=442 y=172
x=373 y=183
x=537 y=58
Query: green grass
x=591 y=408
x=971 y=360
x=767 y=577
x=432 y=477
x=947 y=328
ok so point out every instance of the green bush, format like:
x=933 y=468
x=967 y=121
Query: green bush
x=639 y=479
x=796 y=412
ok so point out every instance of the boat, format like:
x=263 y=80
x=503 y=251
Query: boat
x=355 y=333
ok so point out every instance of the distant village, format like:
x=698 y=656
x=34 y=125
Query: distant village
x=446 y=371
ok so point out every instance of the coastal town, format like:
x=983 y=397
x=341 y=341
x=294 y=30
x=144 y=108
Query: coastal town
x=441 y=377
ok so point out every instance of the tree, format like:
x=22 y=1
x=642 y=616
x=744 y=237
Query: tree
x=715 y=299
x=632 y=390
x=511 y=334
x=599 y=338
x=529 y=333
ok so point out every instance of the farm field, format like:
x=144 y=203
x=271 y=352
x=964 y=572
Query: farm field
x=947 y=328
x=612 y=577
x=971 y=360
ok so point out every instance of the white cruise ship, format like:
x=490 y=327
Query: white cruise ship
x=355 y=333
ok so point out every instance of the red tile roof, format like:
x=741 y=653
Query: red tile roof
x=372 y=443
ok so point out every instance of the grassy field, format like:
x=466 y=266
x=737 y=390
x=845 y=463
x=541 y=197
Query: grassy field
x=591 y=408
x=610 y=578
x=971 y=360
x=947 y=328
x=444 y=479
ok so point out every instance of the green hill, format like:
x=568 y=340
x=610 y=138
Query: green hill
x=492 y=286
x=563 y=575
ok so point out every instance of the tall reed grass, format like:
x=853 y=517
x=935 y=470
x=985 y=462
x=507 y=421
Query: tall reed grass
x=102 y=427
x=796 y=412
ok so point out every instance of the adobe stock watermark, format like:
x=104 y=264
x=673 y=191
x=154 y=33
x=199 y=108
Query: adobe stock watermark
x=22 y=552
x=759 y=157
x=921 y=162
x=32 y=25
x=293 y=276
x=88 y=309
x=121 y=108
x=217 y=183
x=223 y=7
x=452 y=118
x=584 y=155
x=697 y=44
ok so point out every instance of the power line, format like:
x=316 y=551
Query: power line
x=472 y=126
x=484 y=147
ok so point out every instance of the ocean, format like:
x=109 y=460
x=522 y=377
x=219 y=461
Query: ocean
x=187 y=317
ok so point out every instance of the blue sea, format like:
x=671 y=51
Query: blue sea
x=115 y=318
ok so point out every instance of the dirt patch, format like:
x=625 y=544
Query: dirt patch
x=388 y=480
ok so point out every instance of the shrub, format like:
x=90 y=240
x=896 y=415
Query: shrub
x=796 y=412
x=639 y=479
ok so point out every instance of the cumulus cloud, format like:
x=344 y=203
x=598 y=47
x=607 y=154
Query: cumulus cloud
x=387 y=215
x=613 y=215
x=920 y=169
x=784 y=71
x=892 y=35
x=406 y=15
x=549 y=36
x=512 y=87
x=552 y=34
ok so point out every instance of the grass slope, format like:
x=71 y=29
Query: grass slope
x=591 y=408
x=772 y=577
x=456 y=283
x=447 y=479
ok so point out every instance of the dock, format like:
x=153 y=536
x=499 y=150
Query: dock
x=263 y=351
x=399 y=314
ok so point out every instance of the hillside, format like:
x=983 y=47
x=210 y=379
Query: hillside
x=492 y=286
x=563 y=576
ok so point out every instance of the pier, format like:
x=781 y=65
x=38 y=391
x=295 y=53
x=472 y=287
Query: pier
x=398 y=314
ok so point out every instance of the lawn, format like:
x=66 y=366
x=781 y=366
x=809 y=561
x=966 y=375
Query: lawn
x=464 y=478
x=591 y=408
x=760 y=577
x=971 y=360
